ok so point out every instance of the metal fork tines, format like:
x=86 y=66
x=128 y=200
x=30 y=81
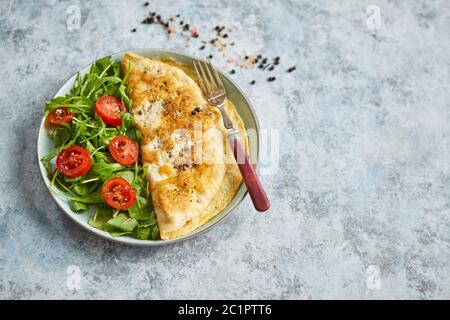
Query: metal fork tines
x=212 y=88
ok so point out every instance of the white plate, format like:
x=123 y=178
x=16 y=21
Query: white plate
x=45 y=145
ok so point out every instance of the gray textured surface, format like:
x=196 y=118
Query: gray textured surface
x=364 y=176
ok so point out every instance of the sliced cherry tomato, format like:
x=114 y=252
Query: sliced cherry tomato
x=109 y=108
x=74 y=161
x=118 y=193
x=59 y=116
x=123 y=150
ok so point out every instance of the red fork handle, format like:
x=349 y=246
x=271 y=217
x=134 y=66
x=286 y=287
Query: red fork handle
x=254 y=186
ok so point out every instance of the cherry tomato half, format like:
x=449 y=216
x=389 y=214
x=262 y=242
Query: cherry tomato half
x=109 y=108
x=123 y=150
x=118 y=193
x=59 y=116
x=73 y=161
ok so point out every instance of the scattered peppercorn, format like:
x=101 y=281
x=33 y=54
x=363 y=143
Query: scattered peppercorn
x=259 y=60
x=196 y=110
x=149 y=20
x=291 y=69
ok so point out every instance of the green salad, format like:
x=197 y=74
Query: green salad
x=95 y=161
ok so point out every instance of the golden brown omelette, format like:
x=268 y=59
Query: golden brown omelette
x=192 y=173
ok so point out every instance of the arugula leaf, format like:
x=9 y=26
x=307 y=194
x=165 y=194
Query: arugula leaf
x=127 y=175
x=106 y=170
x=142 y=233
x=79 y=207
x=122 y=222
x=100 y=217
x=154 y=232
x=119 y=233
x=95 y=197
x=127 y=122
x=139 y=213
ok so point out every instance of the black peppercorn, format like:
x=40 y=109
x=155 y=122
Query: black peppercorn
x=196 y=110
x=291 y=69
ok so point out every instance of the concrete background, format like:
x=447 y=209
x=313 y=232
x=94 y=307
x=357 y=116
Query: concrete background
x=360 y=202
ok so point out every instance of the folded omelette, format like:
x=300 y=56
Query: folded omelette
x=192 y=172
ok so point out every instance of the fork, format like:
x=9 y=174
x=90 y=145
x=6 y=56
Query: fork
x=214 y=91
